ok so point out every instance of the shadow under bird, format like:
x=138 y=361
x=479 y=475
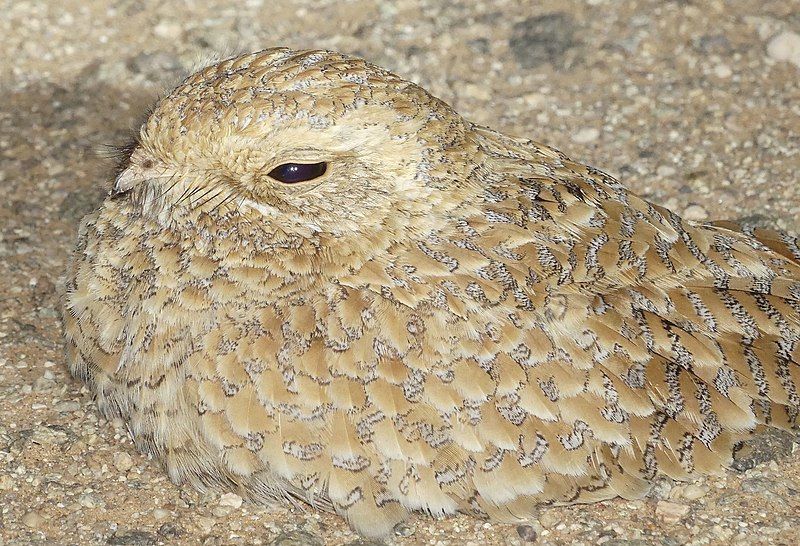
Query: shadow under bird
x=315 y=282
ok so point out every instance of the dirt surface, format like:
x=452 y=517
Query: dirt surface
x=693 y=103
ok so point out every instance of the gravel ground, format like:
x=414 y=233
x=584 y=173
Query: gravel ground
x=692 y=103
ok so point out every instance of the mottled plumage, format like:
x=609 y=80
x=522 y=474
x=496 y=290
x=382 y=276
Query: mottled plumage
x=449 y=319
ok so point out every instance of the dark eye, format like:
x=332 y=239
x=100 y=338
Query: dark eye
x=289 y=173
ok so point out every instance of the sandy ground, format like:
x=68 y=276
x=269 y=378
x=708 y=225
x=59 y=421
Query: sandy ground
x=692 y=103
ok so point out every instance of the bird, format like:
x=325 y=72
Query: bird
x=312 y=282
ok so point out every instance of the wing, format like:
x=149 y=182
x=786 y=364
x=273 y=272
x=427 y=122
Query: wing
x=563 y=341
x=684 y=337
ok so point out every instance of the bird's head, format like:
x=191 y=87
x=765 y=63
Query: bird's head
x=309 y=144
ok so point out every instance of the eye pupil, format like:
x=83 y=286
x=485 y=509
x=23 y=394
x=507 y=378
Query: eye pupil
x=290 y=173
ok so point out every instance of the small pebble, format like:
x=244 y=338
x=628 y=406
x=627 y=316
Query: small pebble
x=122 y=461
x=478 y=92
x=549 y=519
x=694 y=492
x=6 y=482
x=689 y=491
x=34 y=520
x=67 y=406
x=534 y=100
x=665 y=171
x=230 y=499
x=661 y=489
x=403 y=530
x=695 y=213
x=206 y=524
x=169 y=530
x=221 y=511
x=160 y=513
x=168 y=30
x=296 y=538
x=723 y=71
x=586 y=135
x=88 y=500
x=46 y=436
x=671 y=512
x=785 y=47
x=527 y=533
x=134 y=537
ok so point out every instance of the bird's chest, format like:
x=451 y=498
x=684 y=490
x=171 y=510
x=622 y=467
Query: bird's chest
x=240 y=323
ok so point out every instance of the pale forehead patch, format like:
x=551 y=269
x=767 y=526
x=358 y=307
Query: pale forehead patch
x=318 y=86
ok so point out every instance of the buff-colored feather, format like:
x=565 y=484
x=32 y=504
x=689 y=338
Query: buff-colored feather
x=447 y=319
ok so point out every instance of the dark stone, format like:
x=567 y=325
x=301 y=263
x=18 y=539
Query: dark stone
x=713 y=43
x=403 y=530
x=479 y=45
x=697 y=175
x=170 y=530
x=728 y=499
x=758 y=485
x=611 y=533
x=544 y=39
x=764 y=489
x=765 y=446
x=297 y=538
x=661 y=488
x=527 y=533
x=132 y=538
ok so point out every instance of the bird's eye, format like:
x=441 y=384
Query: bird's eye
x=290 y=173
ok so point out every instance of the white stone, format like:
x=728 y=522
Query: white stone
x=33 y=520
x=723 y=71
x=160 y=513
x=694 y=491
x=479 y=92
x=585 y=135
x=689 y=491
x=534 y=100
x=167 y=29
x=122 y=461
x=671 y=512
x=785 y=47
x=6 y=482
x=665 y=171
x=230 y=499
x=87 y=500
x=549 y=519
x=695 y=213
x=205 y=524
